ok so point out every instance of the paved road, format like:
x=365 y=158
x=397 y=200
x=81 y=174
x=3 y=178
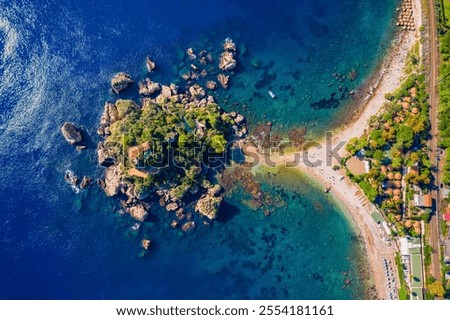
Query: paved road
x=434 y=62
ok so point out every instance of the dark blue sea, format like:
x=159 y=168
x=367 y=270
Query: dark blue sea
x=56 y=61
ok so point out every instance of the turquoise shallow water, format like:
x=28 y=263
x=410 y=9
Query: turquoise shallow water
x=57 y=58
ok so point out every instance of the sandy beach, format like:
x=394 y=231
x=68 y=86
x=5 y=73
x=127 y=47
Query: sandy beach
x=318 y=162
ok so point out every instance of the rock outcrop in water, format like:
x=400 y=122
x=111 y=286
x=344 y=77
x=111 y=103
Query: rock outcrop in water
x=148 y=87
x=198 y=67
x=109 y=116
x=150 y=64
x=227 y=61
x=71 y=133
x=85 y=182
x=223 y=80
x=113 y=181
x=208 y=206
x=120 y=82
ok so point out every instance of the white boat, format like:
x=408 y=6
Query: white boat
x=271 y=94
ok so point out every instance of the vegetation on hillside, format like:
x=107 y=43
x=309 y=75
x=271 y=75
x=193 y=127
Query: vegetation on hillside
x=183 y=138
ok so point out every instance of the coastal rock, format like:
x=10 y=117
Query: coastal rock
x=215 y=190
x=166 y=91
x=186 y=76
x=71 y=133
x=188 y=226
x=208 y=206
x=71 y=178
x=174 y=88
x=150 y=64
x=148 y=87
x=197 y=92
x=113 y=180
x=79 y=148
x=138 y=212
x=110 y=114
x=211 y=85
x=190 y=53
x=104 y=157
x=223 y=80
x=146 y=243
x=172 y=206
x=227 y=61
x=229 y=45
x=239 y=118
x=85 y=182
x=120 y=82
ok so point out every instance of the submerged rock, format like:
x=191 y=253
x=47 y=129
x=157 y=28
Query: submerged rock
x=71 y=178
x=71 y=133
x=120 y=82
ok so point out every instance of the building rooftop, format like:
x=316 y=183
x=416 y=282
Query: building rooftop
x=425 y=201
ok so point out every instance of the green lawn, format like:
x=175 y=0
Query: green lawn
x=446 y=9
x=402 y=294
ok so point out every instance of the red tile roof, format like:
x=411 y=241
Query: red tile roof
x=427 y=200
x=446 y=217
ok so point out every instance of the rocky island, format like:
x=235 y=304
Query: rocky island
x=166 y=148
